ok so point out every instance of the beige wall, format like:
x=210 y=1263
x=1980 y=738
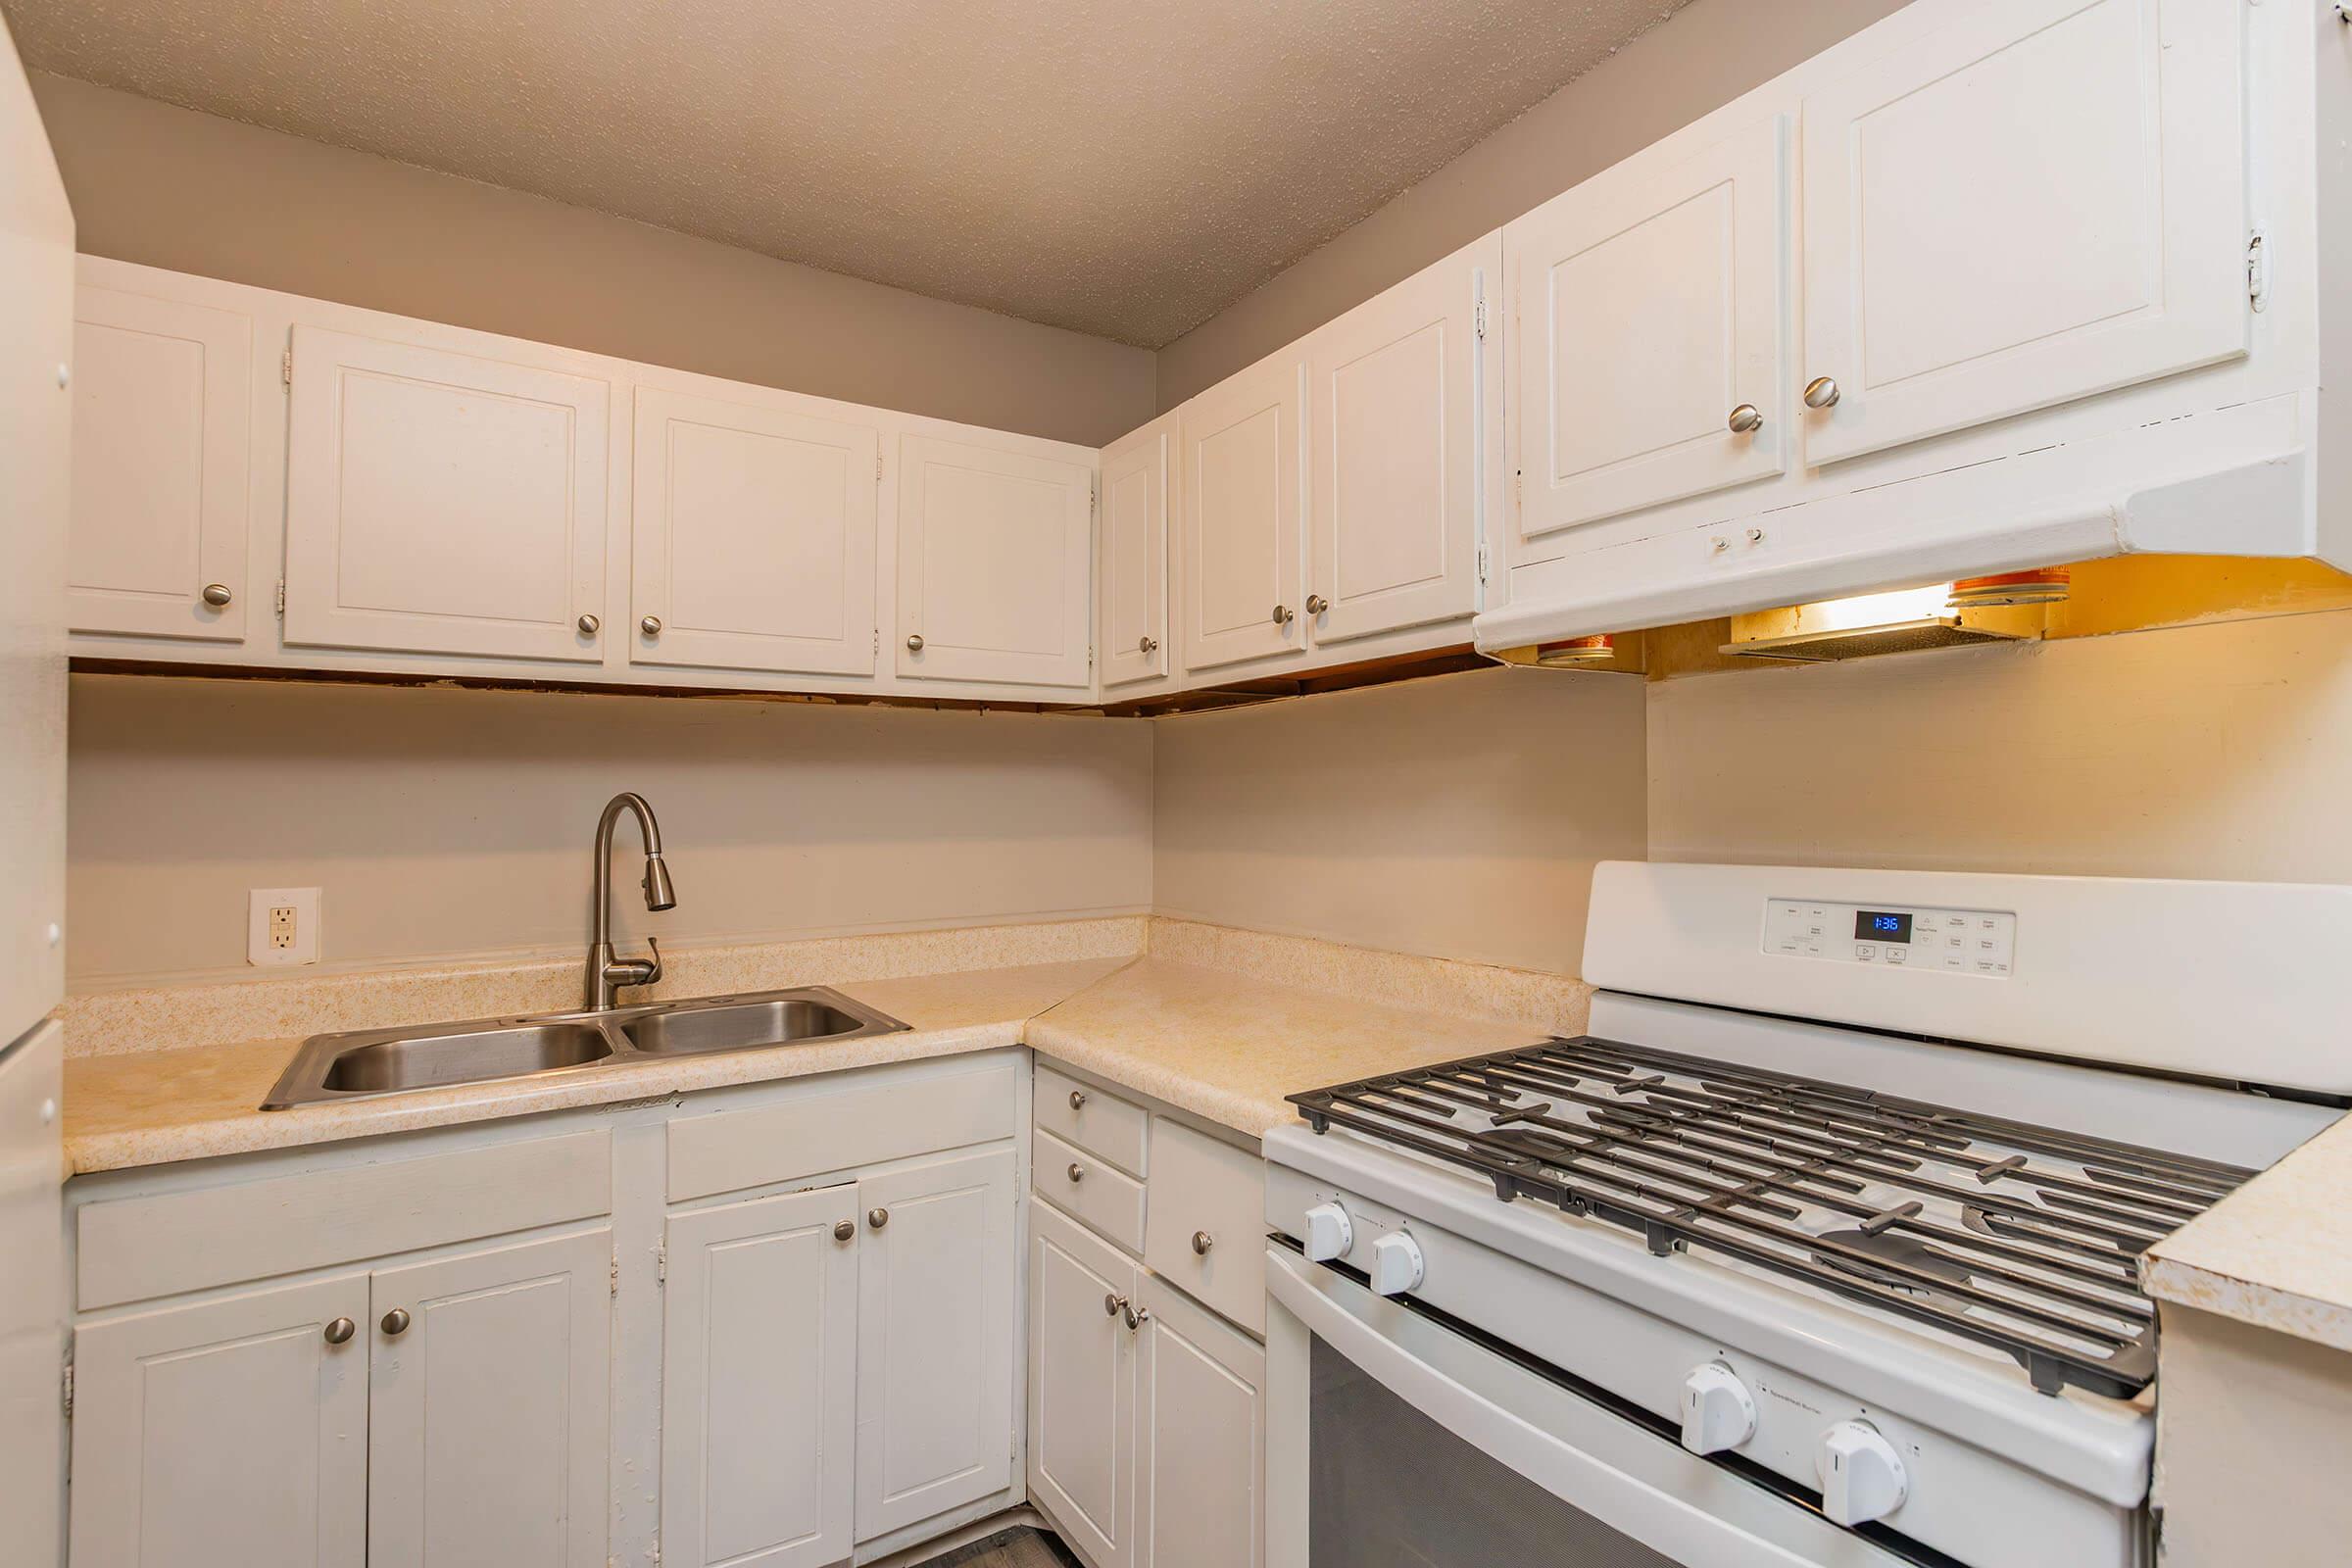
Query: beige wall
x=170 y=187
x=1700 y=59
x=2222 y=750
x=1459 y=818
x=441 y=823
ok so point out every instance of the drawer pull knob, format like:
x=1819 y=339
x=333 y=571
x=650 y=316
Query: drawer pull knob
x=651 y=625
x=877 y=1217
x=844 y=1229
x=1077 y=1170
x=1821 y=392
x=340 y=1331
x=1137 y=1316
x=1746 y=419
x=590 y=625
x=1112 y=1303
x=1202 y=1242
x=396 y=1322
x=1283 y=616
x=217 y=595
x=1077 y=1099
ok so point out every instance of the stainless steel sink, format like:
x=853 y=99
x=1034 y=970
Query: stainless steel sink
x=365 y=1062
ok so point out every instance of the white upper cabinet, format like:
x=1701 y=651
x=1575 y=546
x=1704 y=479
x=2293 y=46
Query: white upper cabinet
x=1242 y=540
x=1647 y=321
x=162 y=425
x=995 y=564
x=2039 y=201
x=489 y=1403
x=939 y=1304
x=1131 y=578
x=759 y=1378
x=1393 y=472
x=753 y=538
x=441 y=503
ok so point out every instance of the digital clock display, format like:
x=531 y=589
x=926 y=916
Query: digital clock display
x=1877 y=925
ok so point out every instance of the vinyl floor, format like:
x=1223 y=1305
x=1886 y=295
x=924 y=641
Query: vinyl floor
x=1015 y=1548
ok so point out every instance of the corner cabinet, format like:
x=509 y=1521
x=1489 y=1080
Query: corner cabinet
x=995 y=564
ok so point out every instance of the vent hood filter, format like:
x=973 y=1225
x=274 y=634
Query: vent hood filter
x=1909 y=621
x=1860 y=642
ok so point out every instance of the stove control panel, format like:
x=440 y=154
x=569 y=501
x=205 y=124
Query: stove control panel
x=1973 y=942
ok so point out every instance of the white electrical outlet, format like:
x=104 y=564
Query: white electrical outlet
x=282 y=926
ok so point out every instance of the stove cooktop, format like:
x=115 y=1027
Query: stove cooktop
x=2011 y=1234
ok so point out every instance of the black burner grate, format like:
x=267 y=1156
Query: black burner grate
x=2016 y=1236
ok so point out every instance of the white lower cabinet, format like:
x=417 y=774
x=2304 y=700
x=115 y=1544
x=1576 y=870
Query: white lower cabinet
x=1081 y=1385
x=449 y=1412
x=759 y=1360
x=1200 y=1437
x=938 y=1301
x=489 y=1406
x=232 y=1431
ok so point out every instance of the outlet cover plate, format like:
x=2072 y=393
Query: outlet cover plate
x=261 y=948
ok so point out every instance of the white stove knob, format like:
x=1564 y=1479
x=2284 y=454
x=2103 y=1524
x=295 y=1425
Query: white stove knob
x=1718 y=1412
x=1329 y=1233
x=1397 y=1266
x=1862 y=1476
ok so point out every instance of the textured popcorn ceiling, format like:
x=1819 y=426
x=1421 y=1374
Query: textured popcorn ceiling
x=1123 y=169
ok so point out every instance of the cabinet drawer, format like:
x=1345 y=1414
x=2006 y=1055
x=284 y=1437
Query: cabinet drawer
x=1103 y=1124
x=134 y=1249
x=1109 y=1201
x=893 y=1115
x=1210 y=1192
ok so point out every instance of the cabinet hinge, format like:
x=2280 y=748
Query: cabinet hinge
x=69 y=1389
x=2258 y=270
x=877 y=467
x=282 y=597
x=1482 y=561
x=616 y=1271
x=662 y=1262
x=285 y=367
x=1481 y=315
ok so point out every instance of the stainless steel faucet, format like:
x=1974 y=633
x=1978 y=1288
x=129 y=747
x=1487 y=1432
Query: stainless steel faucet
x=606 y=974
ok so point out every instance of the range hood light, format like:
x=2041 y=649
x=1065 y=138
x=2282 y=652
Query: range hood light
x=1904 y=621
x=1573 y=652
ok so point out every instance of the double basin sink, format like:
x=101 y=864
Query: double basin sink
x=331 y=1068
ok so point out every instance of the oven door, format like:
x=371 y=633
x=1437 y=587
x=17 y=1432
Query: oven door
x=1395 y=1441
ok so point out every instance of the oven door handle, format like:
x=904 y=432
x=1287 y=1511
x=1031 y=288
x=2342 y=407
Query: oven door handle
x=1684 y=1534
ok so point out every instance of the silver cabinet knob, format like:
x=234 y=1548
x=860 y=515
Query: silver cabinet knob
x=217 y=595
x=1147 y=644
x=1821 y=393
x=1077 y=1099
x=651 y=625
x=1283 y=616
x=844 y=1229
x=1077 y=1171
x=396 y=1322
x=914 y=643
x=1746 y=418
x=1137 y=1316
x=1316 y=604
x=340 y=1331
x=1113 y=1303
x=590 y=625
x=877 y=1217
x=1202 y=1242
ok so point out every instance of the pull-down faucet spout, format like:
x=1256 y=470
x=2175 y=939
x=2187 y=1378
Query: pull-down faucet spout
x=606 y=974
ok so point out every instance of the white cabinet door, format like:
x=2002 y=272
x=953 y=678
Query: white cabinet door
x=1132 y=577
x=162 y=425
x=490 y=1410
x=995 y=564
x=1647 y=311
x=753 y=538
x=1392 y=474
x=937 y=1309
x=1200 y=1449
x=1241 y=541
x=758 y=1361
x=1082 y=1359
x=226 y=1433
x=442 y=503
x=2040 y=200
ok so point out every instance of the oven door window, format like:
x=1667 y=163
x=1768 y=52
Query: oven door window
x=1390 y=1488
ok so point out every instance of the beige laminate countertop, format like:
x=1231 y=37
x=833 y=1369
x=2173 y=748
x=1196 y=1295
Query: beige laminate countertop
x=2276 y=1252
x=1223 y=1046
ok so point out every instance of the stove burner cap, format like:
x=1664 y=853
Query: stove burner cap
x=1895 y=1249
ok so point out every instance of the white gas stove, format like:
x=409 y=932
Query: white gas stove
x=1821 y=1247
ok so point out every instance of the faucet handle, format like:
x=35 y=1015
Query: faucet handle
x=652 y=967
